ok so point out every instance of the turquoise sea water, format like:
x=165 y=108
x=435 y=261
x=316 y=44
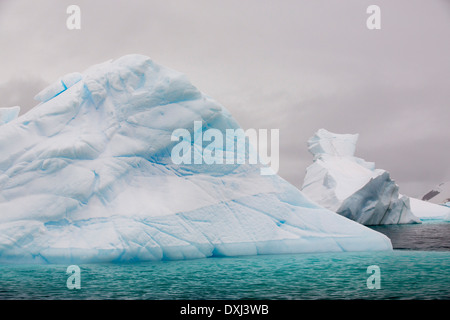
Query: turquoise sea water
x=404 y=274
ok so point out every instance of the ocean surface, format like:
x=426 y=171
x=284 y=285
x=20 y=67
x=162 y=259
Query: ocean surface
x=418 y=268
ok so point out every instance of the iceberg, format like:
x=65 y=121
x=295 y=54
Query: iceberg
x=350 y=186
x=86 y=176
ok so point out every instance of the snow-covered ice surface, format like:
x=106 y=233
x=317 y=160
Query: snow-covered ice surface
x=8 y=114
x=427 y=210
x=58 y=87
x=350 y=186
x=86 y=176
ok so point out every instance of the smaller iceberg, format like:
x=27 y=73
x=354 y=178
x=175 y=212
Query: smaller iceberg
x=9 y=114
x=350 y=186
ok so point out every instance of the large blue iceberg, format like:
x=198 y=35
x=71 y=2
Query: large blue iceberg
x=87 y=176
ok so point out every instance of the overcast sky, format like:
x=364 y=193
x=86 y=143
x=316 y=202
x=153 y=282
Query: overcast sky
x=294 y=65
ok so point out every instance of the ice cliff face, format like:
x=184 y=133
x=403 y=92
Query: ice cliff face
x=86 y=176
x=351 y=186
